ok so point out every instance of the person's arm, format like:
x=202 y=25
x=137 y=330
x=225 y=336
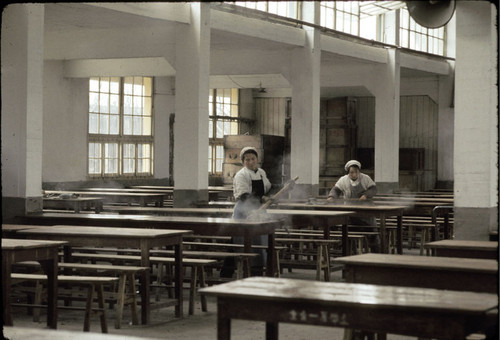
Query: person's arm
x=369 y=193
x=334 y=193
x=242 y=187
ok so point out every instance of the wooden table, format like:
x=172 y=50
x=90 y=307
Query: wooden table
x=361 y=210
x=450 y=273
x=141 y=198
x=401 y=310
x=17 y=333
x=45 y=252
x=77 y=204
x=144 y=239
x=323 y=219
x=464 y=248
x=212 y=226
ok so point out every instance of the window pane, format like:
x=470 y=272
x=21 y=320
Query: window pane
x=93 y=123
x=128 y=85
x=93 y=102
x=104 y=84
x=136 y=125
x=127 y=105
x=104 y=103
x=147 y=106
x=94 y=84
x=114 y=86
x=114 y=125
x=127 y=125
x=148 y=86
x=210 y=128
x=114 y=104
x=146 y=126
x=220 y=129
x=104 y=124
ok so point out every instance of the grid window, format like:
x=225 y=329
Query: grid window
x=283 y=8
x=120 y=127
x=223 y=120
x=416 y=37
x=341 y=16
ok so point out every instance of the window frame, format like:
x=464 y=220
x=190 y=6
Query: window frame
x=121 y=138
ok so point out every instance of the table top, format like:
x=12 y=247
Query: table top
x=13 y=244
x=16 y=333
x=148 y=219
x=288 y=290
x=463 y=244
x=16 y=227
x=420 y=262
x=103 y=232
x=107 y=193
x=72 y=199
x=348 y=205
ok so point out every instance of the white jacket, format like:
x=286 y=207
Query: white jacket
x=242 y=182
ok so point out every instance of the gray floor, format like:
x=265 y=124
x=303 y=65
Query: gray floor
x=201 y=325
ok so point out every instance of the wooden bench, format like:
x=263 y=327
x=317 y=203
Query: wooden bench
x=197 y=269
x=464 y=248
x=124 y=294
x=242 y=259
x=94 y=285
x=416 y=312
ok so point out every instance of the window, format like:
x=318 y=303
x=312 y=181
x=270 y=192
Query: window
x=283 y=8
x=419 y=38
x=341 y=16
x=120 y=127
x=223 y=106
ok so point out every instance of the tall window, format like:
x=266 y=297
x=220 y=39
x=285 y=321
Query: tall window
x=223 y=107
x=120 y=127
x=416 y=37
x=284 y=8
x=341 y=16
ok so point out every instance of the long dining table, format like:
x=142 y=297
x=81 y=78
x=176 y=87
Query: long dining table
x=365 y=209
x=144 y=239
x=43 y=251
x=211 y=226
x=322 y=219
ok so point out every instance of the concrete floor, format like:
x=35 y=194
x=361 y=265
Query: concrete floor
x=201 y=325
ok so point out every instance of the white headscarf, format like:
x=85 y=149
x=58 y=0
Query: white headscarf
x=351 y=163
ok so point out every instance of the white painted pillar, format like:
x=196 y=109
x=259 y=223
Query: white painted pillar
x=387 y=92
x=22 y=108
x=305 y=81
x=476 y=121
x=191 y=108
x=446 y=118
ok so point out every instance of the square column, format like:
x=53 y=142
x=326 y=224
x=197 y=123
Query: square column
x=305 y=81
x=22 y=108
x=387 y=92
x=191 y=108
x=476 y=121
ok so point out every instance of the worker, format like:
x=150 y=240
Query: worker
x=356 y=185
x=250 y=186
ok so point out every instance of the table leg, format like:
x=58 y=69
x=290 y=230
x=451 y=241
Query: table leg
x=399 y=235
x=178 y=280
x=271 y=256
x=346 y=247
x=6 y=286
x=272 y=331
x=223 y=323
x=50 y=268
x=383 y=235
x=145 y=280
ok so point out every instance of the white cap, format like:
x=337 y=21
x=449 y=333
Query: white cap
x=351 y=163
x=248 y=149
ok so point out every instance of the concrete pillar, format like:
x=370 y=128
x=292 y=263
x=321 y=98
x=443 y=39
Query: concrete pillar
x=445 y=131
x=476 y=121
x=387 y=97
x=22 y=109
x=305 y=81
x=191 y=108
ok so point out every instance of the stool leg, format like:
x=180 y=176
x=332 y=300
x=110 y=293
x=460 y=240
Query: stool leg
x=133 y=303
x=100 y=299
x=120 y=300
x=88 y=308
x=318 y=263
x=201 y=280
x=192 y=289
x=38 y=301
x=239 y=268
x=326 y=266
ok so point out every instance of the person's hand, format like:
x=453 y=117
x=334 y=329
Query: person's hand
x=330 y=199
x=362 y=198
x=265 y=199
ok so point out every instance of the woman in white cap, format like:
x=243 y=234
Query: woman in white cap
x=353 y=185
x=357 y=185
x=250 y=185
